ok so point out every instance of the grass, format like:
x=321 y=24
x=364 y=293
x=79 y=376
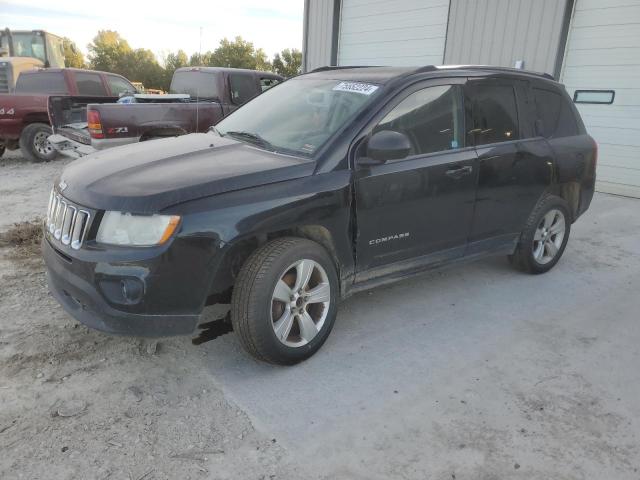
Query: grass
x=24 y=237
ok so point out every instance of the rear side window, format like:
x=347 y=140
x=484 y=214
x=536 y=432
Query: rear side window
x=90 y=84
x=42 y=82
x=495 y=113
x=119 y=85
x=554 y=113
x=243 y=88
x=432 y=119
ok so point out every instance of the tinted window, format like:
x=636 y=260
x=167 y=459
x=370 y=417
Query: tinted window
x=119 y=85
x=197 y=83
x=243 y=88
x=267 y=83
x=89 y=84
x=41 y=82
x=495 y=114
x=432 y=118
x=554 y=113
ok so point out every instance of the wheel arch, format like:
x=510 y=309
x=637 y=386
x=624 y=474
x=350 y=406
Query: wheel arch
x=162 y=132
x=570 y=193
x=239 y=251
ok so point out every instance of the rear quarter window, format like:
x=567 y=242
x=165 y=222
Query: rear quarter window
x=90 y=84
x=555 y=114
x=42 y=82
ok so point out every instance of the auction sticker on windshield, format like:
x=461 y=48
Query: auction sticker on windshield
x=357 y=87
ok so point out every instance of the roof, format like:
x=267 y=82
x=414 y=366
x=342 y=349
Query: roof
x=383 y=75
x=60 y=69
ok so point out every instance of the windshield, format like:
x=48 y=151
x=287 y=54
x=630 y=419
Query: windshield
x=26 y=44
x=196 y=83
x=298 y=116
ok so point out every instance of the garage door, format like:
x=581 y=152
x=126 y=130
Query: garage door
x=603 y=55
x=402 y=32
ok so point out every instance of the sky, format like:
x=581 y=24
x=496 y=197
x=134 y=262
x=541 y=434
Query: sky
x=163 y=26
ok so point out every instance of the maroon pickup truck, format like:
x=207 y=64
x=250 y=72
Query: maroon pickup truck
x=24 y=117
x=199 y=98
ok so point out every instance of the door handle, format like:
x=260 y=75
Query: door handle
x=459 y=172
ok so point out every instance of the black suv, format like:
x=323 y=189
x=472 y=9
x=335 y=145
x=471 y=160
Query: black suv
x=332 y=182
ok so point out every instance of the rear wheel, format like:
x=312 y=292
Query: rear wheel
x=285 y=300
x=34 y=143
x=544 y=237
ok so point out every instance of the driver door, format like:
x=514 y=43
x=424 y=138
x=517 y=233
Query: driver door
x=417 y=210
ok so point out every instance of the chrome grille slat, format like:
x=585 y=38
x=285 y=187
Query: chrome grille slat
x=66 y=222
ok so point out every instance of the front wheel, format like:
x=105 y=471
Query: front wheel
x=285 y=300
x=544 y=237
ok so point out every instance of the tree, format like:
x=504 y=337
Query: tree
x=288 y=62
x=239 y=53
x=72 y=56
x=172 y=62
x=107 y=51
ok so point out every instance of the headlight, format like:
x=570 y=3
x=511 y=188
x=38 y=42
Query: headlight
x=119 y=228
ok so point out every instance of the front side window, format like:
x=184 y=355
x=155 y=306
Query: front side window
x=42 y=82
x=432 y=119
x=119 y=85
x=298 y=116
x=90 y=84
x=243 y=88
x=495 y=113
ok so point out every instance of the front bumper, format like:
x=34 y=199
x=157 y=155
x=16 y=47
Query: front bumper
x=81 y=299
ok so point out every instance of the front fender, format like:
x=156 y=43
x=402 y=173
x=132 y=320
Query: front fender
x=316 y=207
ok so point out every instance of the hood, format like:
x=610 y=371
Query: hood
x=150 y=176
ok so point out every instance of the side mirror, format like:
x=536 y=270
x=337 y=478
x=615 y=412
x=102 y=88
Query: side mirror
x=388 y=145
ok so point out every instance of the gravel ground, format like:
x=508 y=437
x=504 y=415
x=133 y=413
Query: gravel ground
x=475 y=372
x=77 y=404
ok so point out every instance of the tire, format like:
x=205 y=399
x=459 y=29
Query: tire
x=544 y=236
x=34 y=144
x=256 y=313
x=2 y=149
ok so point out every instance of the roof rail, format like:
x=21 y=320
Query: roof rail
x=336 y=67
x=426 y=68
x=504 y=69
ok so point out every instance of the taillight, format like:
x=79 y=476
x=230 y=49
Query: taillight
x=94 y=125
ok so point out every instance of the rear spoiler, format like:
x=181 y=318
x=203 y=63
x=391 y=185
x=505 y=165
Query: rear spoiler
x=69 y=109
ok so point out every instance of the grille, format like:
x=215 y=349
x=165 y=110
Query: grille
x=4 y=79
x=67 y=223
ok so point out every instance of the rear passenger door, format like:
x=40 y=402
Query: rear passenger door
x=514 y=165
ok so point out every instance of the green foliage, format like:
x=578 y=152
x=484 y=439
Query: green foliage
x=288 y=62
x=72 y=56
x=110 y=52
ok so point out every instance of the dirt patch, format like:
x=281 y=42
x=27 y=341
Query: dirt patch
x=24 y=237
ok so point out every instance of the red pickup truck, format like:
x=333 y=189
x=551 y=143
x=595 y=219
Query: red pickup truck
x=199 y=98
x=24 y=118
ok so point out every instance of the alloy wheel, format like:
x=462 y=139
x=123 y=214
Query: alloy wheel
x=549 y=235
x=41 y=144
x=300 y=303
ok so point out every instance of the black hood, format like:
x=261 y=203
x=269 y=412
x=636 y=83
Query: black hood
x=150 y=176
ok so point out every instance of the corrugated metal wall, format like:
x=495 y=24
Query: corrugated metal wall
x=399 y=32
x=603 y=53
x=500 y=32
x=318 y=33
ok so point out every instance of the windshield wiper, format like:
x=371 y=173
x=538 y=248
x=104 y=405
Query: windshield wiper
x=253 y=138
